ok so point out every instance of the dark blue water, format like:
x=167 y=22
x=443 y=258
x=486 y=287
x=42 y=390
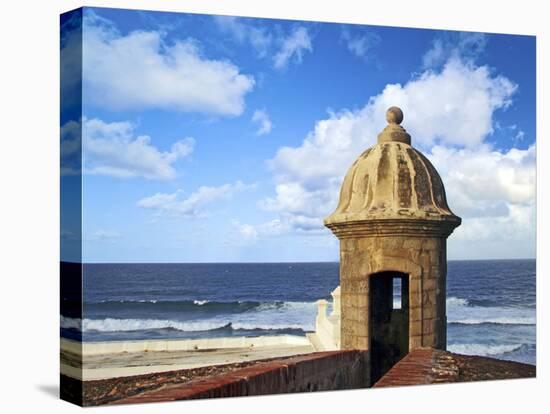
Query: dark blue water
x=490 y=304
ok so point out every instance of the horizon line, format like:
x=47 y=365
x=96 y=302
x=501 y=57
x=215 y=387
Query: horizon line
x=285 y=262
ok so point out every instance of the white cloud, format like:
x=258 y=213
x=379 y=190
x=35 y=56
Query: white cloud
x=142 y=70
x=360 y=44
x=517 y=224
x=285 y=224
x=463 y=45
x=478 y=181
x=172 y=204
x=103 y=235
x=110 y=148
x=71 y=64
x=449 y=114
x=159 y=201
x=248 y=233
x=292 y=48
x=493 y=191
x=113 y=149
x=453 y=107
x=261 y=118
x=519 y=136
x=70 y=142
x=282 y=47
x=299 y=199
x=258 y=37
x=245 y=232
x=70 y=135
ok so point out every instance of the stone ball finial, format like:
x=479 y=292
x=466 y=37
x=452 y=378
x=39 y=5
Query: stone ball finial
x=393 y=132
x=394 y=115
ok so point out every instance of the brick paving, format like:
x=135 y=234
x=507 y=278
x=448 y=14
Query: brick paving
x=432 y=366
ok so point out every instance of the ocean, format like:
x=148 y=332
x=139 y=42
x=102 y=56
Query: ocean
x=490 y=304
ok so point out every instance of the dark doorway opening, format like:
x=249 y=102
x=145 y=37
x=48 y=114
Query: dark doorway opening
x=389 y=321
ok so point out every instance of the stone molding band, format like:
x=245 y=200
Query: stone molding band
x=395 y=227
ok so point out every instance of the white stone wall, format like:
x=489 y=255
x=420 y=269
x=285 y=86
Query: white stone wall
x=327 y=327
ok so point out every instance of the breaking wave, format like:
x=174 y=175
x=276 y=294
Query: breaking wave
x=483 y=350
x=194 y=305
x=453 y=301
x=125 y=325
x=460 y=311
x=179 y=305
x=257 y=315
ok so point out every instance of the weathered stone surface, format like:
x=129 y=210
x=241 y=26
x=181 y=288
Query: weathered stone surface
x=392 y=220
x=427 y=283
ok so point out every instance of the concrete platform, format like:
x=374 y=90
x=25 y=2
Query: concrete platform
x=102 y=360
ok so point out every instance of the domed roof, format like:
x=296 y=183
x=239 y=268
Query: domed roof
x=392 y=180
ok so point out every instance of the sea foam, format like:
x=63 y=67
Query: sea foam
x=483 y=349
x=460 y=311
x=286 y=315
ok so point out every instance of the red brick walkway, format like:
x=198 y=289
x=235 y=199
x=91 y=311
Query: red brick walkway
x=432 y=366
x=421 y=366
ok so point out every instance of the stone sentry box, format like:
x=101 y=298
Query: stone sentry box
x=392 y=221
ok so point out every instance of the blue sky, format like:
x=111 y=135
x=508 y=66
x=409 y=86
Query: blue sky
x=221 y=139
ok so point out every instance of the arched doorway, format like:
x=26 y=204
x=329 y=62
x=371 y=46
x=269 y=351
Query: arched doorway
x=388 y=320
